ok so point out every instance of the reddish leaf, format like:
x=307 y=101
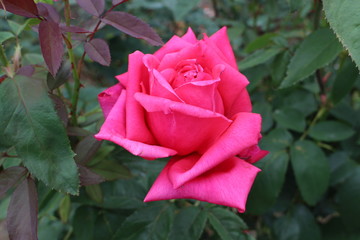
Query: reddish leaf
x=9 y=177
x=133 y=26
x=88 y=177
x=27 y=71
x=94 y=7
x=22 y=212
x=115 y=2
x=98 y=50
x=26 y=8
x=86 y=149
x=73 y=29
x=48 y=12
x=60 y=108
x=51 y=44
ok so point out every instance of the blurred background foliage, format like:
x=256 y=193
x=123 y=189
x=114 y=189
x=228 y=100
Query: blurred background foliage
x=302 y=81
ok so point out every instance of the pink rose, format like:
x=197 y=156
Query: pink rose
x=188 y=100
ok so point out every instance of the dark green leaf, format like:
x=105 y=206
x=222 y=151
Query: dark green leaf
x=111 y=170
x=277 y=139
x=189 y=223
x=348 y=200
x=341 y=167
x=264 y=109
x=316 y=51
x=308 y=226
x=260 y=42
x=311 y=170
x=343 y=18
x=227 y=224
x=278 y=67
x=30 y=123
x=268 y=182
x=286 y=228
x=181 y=8
x=150 y=223
x=290 y=118
x=123 y=194
x=344 y=82
x=258 y=57
x=84 y=223
x=331 y=131
x=95 y=193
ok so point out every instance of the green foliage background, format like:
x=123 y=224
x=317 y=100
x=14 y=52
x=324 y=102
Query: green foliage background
x=296 y=55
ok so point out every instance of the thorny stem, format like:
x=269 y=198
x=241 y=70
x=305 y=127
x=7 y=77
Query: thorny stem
x=75 y=73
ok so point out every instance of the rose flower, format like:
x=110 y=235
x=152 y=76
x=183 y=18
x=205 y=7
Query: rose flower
x=189 y=101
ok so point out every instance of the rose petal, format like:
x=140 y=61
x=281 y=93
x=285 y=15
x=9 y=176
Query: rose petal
x=190 y=36
x=243 y=133
x=173 y=45
x=233 y=84
x=122 y=78
x=108 y=98
x=160 y=87
x=180 y=126
x=202 y=94
x=113 y=130
x=222 y=42
x=228 y=184
x=136 y=128
x=172 y=59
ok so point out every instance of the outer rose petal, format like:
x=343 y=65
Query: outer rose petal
x=122 y=78
x=221 y=40
x=173 y=45
x=243 y=133
x=190 y=36
x=182 y=127
x=136 y=128
x=108 y=98
x=113 y=130
x=233 y=84
x=228 y=184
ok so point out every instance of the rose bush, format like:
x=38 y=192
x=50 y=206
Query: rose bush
x=189 y=101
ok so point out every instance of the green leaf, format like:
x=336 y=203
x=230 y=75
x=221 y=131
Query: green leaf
x=343 y=18
x=84 y=223
x=312 y=172
x=308 y=226
x=64 y=208
x=331 y=131
x=316 y=51
x=278 y=67
x=344 y=82
x=264 y=109
x=111 y=170
x=348 y=200
x=341 y=167
x=258 y=57
x=268 y=182
x=95 y=193
x=290 y=118
x=189 y=223
x=277 y=139
x=149 y=223
x=227 y=224
x=286 y=228
x=181 y=8
x=123 y=194
x=5 y=36
x=15 y=27
x=29 y=122
x=260 y=42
